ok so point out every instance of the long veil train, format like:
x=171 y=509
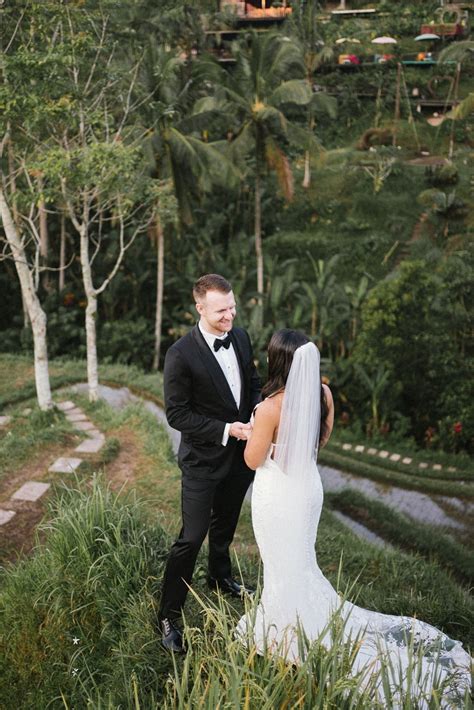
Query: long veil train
x=287 y=499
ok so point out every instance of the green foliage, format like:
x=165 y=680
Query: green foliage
x=415 y=325
x=29 y=433
x=78 y=618
x=397 y=477
x=92 y=582
x=396 y=528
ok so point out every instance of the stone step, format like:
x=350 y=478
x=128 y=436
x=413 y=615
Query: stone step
x=94 y=433
x=65 y=406
x=5 y=420
x=79 y=417
x=83 y=426
x=90 y=446
x=31 y=490
x=65 y=465
x=6 y=515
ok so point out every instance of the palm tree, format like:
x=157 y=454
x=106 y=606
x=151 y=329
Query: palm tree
x=176 y=156
x=303 y=27
x=267 y=79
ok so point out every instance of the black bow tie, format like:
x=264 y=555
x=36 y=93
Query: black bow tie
x=222 y=343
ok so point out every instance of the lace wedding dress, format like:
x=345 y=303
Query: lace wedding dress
x=286 y=507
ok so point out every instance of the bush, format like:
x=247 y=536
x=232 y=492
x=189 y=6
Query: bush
x=416 y=325
x=79 y=615
x=130 y=342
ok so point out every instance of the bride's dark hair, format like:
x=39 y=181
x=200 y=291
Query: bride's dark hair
x=281 y=349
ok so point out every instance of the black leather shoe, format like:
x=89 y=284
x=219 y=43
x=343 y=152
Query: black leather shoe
x=230 y=586
x=171 y=637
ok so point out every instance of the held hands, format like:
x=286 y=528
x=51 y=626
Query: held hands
x=240 y=431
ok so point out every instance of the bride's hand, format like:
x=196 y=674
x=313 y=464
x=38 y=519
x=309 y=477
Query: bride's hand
x=239 y=430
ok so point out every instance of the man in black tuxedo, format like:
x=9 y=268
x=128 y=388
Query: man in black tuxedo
x=211 y=387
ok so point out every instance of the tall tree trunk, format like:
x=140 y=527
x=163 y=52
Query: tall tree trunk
x=307 y=161
x=160 y=243
x=44 y=237
x=11 y=172
x=91 y=317
x=396 y=118
x=36 y=314
x=62 y=253
x=258 y=243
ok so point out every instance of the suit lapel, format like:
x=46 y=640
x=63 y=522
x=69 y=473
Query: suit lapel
x=240 y=360
x=214 y=369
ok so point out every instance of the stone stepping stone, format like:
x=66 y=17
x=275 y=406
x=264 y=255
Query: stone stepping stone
x=395 y=457
x=66 y=406
x=65 y=465
x=94 y=434
x=6 y=515
x=80 y=417
x=384 y=454
x=359 y=448
x=84 y=426
x=437 y=467
x=407 y=460
x=31 y=490
x=4 y=420
x=347 y=447
x=372 y=451
x=90 y=446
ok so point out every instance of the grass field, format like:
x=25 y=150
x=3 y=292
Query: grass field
x=96 y=570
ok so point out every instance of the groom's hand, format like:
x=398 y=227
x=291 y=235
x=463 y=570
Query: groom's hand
x=240 y=431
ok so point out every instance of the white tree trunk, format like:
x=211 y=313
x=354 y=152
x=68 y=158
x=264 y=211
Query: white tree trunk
x=159 y=291
x=62 y=253
x=35 y=312
x=258 y=245
x=307 y=171
x=91 y=317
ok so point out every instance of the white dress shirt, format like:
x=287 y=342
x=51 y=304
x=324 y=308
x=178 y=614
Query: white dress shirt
x=227 y=359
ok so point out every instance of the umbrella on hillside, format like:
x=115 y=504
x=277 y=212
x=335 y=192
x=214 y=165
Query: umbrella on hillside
x=342 y=40
x=384 y=40
x=427 y=36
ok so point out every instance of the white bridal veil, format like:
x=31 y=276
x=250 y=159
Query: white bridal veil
x=298 y=432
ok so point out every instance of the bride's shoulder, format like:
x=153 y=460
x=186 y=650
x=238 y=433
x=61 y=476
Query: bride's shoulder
x=327 y=393
x=269 y=407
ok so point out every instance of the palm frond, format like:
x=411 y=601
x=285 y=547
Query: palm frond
x=273 y=120
x=457 y=52
x=304 y=139
x=462 y=110
x=283 y=58
x=323 y=103
x=279 y=163
x=294 y=91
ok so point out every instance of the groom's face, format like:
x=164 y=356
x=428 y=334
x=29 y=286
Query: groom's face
x=217 y=311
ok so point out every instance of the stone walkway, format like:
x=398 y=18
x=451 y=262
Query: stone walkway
x=419 y=506
x=32 y=491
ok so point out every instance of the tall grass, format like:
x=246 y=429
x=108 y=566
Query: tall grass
x=79 y=615
x=78 y=628
x=223 y=671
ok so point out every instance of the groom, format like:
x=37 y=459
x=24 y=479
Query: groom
x=211 y=387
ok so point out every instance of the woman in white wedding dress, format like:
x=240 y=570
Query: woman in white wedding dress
x=295 y=418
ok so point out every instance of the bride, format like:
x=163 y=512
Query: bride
x=294 y=420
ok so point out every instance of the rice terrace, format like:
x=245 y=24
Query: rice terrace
x=204 y=207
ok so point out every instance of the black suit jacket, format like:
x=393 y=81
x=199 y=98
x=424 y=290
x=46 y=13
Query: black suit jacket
x=199 y=403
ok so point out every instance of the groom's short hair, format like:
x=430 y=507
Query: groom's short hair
x=210 y=282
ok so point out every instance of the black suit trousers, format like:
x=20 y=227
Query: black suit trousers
x=208 y=506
